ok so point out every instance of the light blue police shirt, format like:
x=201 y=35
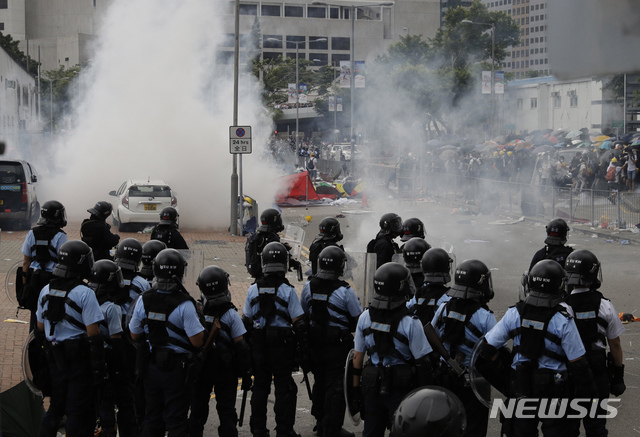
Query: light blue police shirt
x=344 y=298
x=139 y=282
x=85 y=298
x=482 y=319
x=285 y=292
x=112 y=324
x=233 y=320
x=58 y=240
x=184 y=317
x=410 y=327
x=565 y=328
x=413 y=301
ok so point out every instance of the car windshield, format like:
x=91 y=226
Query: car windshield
x=149 y=191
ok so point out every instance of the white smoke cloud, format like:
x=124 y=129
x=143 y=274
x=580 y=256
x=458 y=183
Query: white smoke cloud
x=153 y=103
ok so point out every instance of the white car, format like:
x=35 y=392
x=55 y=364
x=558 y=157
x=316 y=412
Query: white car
x=140 y=202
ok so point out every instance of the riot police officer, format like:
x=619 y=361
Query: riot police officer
x=555 y=247
x=598 y=324
x=276 y=320
x=412 y=252
x=96 y=232
x=271 y=224
x=333 y=310
x=69 y=320
x=547 y=350
x=40 y=250
x=149 y=251
x=383 y=245
x=226 y=358
x=167 y=230
x=436 y=267
x=397 y=348
x=107 y=282
x=165 y=316
x=329 y=236
x=429 y=412
x=460 y=323
x=128 y=256
x=411 y=228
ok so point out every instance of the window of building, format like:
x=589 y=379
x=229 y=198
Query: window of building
x=316 y=12
x=270 y=11
x=527 y=21
x=1 y=26
x=517 y=64
x=270 y=55
x=557 y=100
x=224 y=57
x=542 y=39
x=534 y=102
x=508 y=64
x=519 y=104
x=526 y=31
x=294 y=11
x=301 y=55
x=531 y=51
x=527 y=63
x=546 y=61
x=275 y=43
x=248 y=9
x=318 y=45
x=319 y=59
x=536 y=62
x=296 y=39
x=334 y=13
x=537 y=51
x=340 y=43
x=335 y=59
x=4 y=4
x=541 y=5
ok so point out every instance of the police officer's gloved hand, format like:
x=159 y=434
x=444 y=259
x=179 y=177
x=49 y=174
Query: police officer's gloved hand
x=616 y=384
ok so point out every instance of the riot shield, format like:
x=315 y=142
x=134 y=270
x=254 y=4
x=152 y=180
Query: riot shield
x=347 y=384
x=195 y=264
x=11 y=283
x=294 y=236
x=358 y=272
x=481 y=388
x=27 y=374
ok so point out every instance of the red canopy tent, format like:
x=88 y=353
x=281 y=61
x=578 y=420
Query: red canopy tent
x=295 y=188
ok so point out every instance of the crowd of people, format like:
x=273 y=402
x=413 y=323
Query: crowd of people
x=122 y=342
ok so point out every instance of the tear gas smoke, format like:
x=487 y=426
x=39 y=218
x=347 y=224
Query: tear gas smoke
x=154 y=103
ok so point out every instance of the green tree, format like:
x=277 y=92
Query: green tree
x=12 y=47
x=56 y=90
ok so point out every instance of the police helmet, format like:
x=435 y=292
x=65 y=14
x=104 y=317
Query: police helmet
x=75 y=260
x=275 y=258
x=101 y=210
x=106 y=275
x=168 y=216
x=547 y=276
x=557 y=232
x=270 y=221
x=150 y=249
x=583 y=269
x=413 y=250
x=128 y=254
x=391 y=223
x=412 y=227
x=392 y=280
x=436 y=266
x=472 y=281
x=213 y=281
x=329 y=229
x=169 y=263
x=331 y=262
x=429 y=411
x=53 y=213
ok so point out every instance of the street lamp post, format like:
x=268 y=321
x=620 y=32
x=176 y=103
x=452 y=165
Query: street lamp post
x=352 y=16
x=493 y=63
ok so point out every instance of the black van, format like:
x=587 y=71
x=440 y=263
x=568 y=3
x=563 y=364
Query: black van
x=18 y=198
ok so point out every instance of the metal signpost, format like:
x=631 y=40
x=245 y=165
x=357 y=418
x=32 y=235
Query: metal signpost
x=240 y=144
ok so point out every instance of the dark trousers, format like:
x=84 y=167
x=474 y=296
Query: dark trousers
x=167 y=400
x=594 y=426
x=118 y=392
x=377 y=412
x=224 y=381
x=328 y=404
x=273 y=361
x=558 y=427
x=72 y=394
x=477 y=413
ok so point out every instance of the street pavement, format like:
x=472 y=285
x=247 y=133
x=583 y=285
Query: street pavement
x=471 y=236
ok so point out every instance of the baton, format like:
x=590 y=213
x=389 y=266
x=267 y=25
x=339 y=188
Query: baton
x=243 y=407
x=306 y=382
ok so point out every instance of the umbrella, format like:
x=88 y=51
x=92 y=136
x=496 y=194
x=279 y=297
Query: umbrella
x=448 y=154
x=636 y=143
x=449 y=148
x=573 y=134
x=557 y=133
x=489 y=147
x=435 y=143
x=543 y=148
x=523 y=145
x=600 y=138
x=606 y=145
